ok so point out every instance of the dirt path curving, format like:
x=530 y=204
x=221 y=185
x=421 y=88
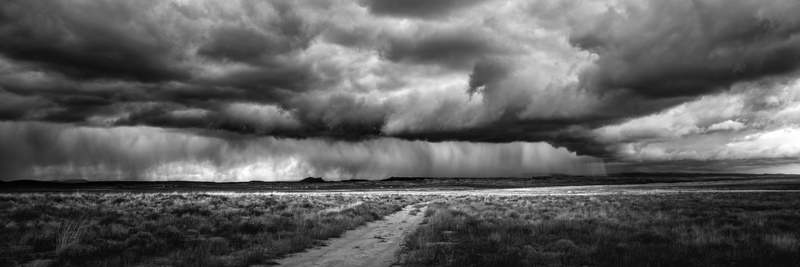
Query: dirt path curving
x=374 y=244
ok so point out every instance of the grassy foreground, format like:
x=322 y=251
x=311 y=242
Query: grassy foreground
x=682 y=229
x=176 y=229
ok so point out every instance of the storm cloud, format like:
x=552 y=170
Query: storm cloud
x=418 y=8
x=619 y=81
x=690 y=48
x=54 y=152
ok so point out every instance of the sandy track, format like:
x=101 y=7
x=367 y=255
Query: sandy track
x=374 y=244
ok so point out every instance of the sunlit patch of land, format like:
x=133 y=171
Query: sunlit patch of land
x=672 y=221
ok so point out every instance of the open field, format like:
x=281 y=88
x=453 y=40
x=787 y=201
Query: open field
x=705 y=222
x=177 y=229
x=748 y=181
x=657 y=229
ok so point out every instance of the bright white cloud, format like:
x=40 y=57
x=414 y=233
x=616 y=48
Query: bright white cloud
x=727 y=125
x=685 y=119
x=779 y=143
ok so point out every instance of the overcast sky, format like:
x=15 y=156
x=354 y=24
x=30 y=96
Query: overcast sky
x=281 y=90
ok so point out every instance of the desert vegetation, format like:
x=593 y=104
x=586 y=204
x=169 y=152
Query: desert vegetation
x=677 y=229
x=177 y=229
x=461 y=228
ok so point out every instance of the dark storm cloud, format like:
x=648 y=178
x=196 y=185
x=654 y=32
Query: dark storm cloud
x=487 y=72
x=89 y=59
x=98 y=40
x=117 y=40
x=559 y=133
x=690 y=48
x=272 y=82
x=241 y=44
x=136 y=113
x=579 y=75
x=15 y=107
x=656 y=55
x=417 y=8
x=342 y=113
x=47 y=151
x=258 y=55
x=263 y=41
x=242 y=118
x=452 y=48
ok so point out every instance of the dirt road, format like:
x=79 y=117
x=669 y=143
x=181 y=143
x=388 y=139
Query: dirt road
x=374 y=244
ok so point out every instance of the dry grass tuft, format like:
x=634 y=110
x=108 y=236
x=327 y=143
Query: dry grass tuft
x=71 y=234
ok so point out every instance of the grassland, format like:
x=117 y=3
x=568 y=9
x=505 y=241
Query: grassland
x=177 y=229
x=717 y=222
x=747 y=181
x=676 y=229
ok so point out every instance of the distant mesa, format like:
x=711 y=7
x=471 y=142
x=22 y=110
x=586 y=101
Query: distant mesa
x=358 y=180
x=73 y=181
x=312 y=180
x=393 y=178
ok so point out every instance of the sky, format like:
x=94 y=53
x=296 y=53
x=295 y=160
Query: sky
x=369 y=89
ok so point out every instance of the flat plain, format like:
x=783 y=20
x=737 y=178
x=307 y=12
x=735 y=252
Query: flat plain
x=673 y=221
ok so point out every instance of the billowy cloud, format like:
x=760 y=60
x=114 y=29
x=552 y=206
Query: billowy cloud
x=737 y=125
x=619 y=80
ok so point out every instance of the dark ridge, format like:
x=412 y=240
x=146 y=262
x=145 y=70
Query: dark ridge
x=402 y=179
x=312 y=180
x=73 y=181
x=28 y=183
x=360 y=180
x=85 y=184
x=680 y=174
